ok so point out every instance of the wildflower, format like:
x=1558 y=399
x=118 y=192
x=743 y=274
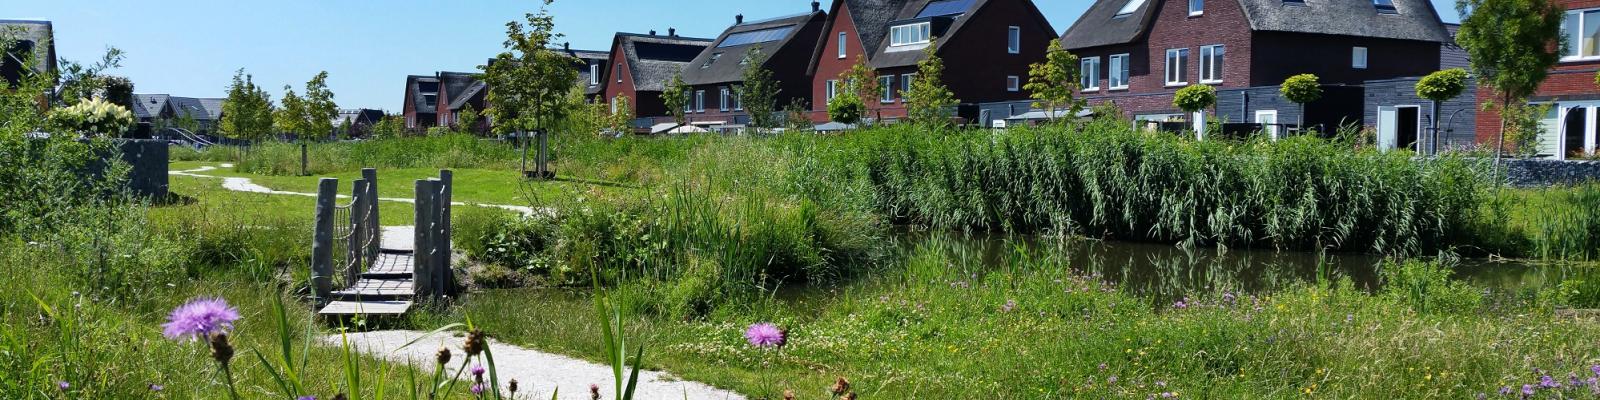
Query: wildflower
x=475 y=343
x=306 y=398
x=841 y=386
x=1010 y=305
x=1505 y=390
x=1161 y=383
x=221 y=350
x=477 y=370
x=1102 y=366
x=1572 y=379
x=1481 y=396
x=1527 y=390
x=1227 y=298
x=63 y=385
x=157 y=388
x=1348 y=318
x=1181 y=304
x=200 y=318
x=1546 y=382
x=443 y=357
x=477 y=388
x=594 y=392
x=1595 y=369
x=764 y=335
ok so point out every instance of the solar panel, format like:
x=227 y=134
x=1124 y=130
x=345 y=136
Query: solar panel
x=945 y=7
x=753 y=37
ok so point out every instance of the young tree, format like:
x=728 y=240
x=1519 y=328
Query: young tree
x=861 y=81
x=618 y=120
x=81 y=82
x=287 y=117
x=1440 y=87
x=846 y=109
x=1195 y=98
x=797 y=116
x=676 y=97
x=1054 y=83
x=467 y=119
x=387 y=127
x=1509 y=43
x=759 y=93
x=930 y=102
x=1301 y=89
x=247 y=112
x=529 y=81
x=117 y=90
x=319 y=108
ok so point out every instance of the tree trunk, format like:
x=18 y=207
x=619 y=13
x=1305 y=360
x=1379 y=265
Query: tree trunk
x=1500 y=147
x=1433 y=144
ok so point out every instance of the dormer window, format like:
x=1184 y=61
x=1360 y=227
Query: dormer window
x=594 y=74
x=910 y=34
x=713 y=60
x=1133 y=5
x=1384 y=6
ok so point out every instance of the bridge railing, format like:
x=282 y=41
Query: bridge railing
x=346 y=237
x=432 y=274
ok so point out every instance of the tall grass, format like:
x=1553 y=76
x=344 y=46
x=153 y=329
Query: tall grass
x=1564 y=223
x=444 y=151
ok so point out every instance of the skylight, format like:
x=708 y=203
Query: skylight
x=1133 y=5
x=753 y=37
x=945 y=7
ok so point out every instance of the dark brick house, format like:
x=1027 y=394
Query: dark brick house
x=421 y=105
x=1570 y=90
x=717 y=73
x=438 y=100
x=643 y=65
x=1137 y=53
x=986 y=45
x=591 y=66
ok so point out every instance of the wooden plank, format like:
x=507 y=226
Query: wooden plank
x=366 y=308
x=393 y=265
x=379 y=287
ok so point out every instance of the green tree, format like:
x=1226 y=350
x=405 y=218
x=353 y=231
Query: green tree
x=81 y=82
x=1440 y=87
x=861 y=81
x=1509 y=43
x=676 y=97
x=118 y=90
x=797 y=116
x=387 y=127
x=319 y=108
x=846 y=109
x=618 y=120
x=1301 y=89
x=529 y=81
x=247 y=112
x=930 y=103
x=1195 y=98
x=467 y=119
x=759 y=93
x=287 y=118
x=1054 y=83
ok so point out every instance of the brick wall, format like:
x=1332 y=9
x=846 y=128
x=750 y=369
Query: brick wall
x=1223 y=22
x=613 y=87
x=829 y=65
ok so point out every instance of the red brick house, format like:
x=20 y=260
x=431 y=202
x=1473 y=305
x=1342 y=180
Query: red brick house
x=717 y=73
x=1137 y=53
x=1570 y=90
x=438 y=100
x=643 y=65
x=421 y=105
x=987 y=46
x=591 y=65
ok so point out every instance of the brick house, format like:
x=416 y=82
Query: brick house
x=1570 y=90
x=421 y=105
x=437 y=100
x=987 y=46
x=591 y=66
x=643 y=65
x=715 y=76
x=1138 y=53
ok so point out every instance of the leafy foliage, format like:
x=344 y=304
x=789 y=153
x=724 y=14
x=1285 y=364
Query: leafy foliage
x=861 y=81
x=310 y=116
x=1442 y=85
x=1301 y=89
x=1194 y=98
x=759 y=93
x=94 y=118
x=247 y=112
x=930 y=103
x=1054 y=83
x=676 y=97
x=529 y=81
x=846 y=109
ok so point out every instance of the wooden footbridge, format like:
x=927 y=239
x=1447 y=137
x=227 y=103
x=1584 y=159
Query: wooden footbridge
x=359 y=267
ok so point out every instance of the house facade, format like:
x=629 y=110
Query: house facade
x=591 y=66
x=1569 y=128
x=1137 y=53
x=354 y=123
x=158 y=112
x=986 y=45
x=716 y=75
x=35 y=38
x=438 y=100
x=641 y=68
x=421 y=105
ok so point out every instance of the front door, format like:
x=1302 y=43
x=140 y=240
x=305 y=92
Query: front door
x=1269 y=123
x=1387 y=127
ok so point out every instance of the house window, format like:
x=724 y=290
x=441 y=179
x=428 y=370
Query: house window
x=1133 y=5
x=1014 y=40
x=615 y=103
x=1177 y=67
x=713 y=60
x=618 y=71
x=905 y=84
x=886 y=86
x=724 y=99
x=842 y=52
x=1119 y=71
x=1197 y=7
x=905 y=35
x=1582 y=31
x=700 y=101
x=688 y=103
x=1211 y=63
x=1384 y=6
x=832 y=89
x=594 y=74
x=1013 y=83
x=738 y=100
x=1358 y=58
x=1089 y=75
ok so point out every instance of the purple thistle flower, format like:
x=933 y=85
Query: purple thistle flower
x=1595 y=370
x=764 y=335
x=200 y=318
x=157 y=388
x=63 y=385
x=1227 y=298
x=1481 y=396
x=1594 y=386
x=1546 y=382
x=1527 y=390
x=1572 y=379
x=477 y=370
x=1102 y=366
x=477 y=388
x=1505 y=390
x=1180 y=304
x=1169 y=395
x=306 y=398
x=1010 y=305
x=1112 y=379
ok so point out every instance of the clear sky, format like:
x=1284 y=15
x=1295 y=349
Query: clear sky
x=192 y=47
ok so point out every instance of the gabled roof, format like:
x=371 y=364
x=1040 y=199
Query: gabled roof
x=457 y=101
x=197 y=108
x=653 y=60
x=870 y=18
x=455 y=85
x=416 y=87
x=1411 y=20
x=358 y=116
x=884 y=57
x=586 y=58
x=723 y=61
x=149 y=105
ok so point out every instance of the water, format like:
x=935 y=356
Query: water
x=1165 y=270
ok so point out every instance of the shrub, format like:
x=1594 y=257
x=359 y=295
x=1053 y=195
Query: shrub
x=846 y=109
x=1195 y=98
x=94 y=118
x=1301 y=89
x=1427 y=288
x=1442 y=85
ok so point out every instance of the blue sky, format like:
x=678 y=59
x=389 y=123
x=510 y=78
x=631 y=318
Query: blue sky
x=192 y=47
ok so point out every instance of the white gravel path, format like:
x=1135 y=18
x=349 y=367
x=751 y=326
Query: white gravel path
x=247 y=186
x=537 y=373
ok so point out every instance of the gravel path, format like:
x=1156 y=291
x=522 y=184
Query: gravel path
x=537 y=373
x=247 y=186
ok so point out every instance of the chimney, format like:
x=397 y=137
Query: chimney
x=673 y=32
x=738 y=19
x=652 y=32
x=567 y=46
x=816 y=6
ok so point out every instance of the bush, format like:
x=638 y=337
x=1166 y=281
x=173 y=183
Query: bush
x=846 y=109
x=1427 y=288
x=442 y=151
x=1443 y=85
x=1302 y=89
x=1195 y=98
x=93 y=118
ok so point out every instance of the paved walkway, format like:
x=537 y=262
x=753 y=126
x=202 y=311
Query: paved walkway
x=538 y=374
x=245 y=185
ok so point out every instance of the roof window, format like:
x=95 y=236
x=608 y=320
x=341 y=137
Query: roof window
x=1133 y=5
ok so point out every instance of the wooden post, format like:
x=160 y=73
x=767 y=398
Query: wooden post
x=422 y=273
x=322 y=241
x=303 y=159
x=376 y=226
x=442 y=242
x=358 y=234
x=437 y=258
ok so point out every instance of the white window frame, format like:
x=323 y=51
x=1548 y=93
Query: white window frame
x=1575 y=47
x=700 y=101
x=905 y=84
x=1014 y=40
x=738 y=99
x=1179 y=75
x=725 y=98
x=1210 y=67
x=911 y=34
x=886 y=89
x=1089 y=70
x=614 y=100
x=1197 y=8
x=1272 y=130
x=843 y=51
x=594 y=74
x=688 y=102
x=831 y=89
x=1117 y=76
x=1358 y=57
x=1013 y=83
x=618 y=71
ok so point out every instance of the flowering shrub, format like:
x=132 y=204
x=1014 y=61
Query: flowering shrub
x=93 y=118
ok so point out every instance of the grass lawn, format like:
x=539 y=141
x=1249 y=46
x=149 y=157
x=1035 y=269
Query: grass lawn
x=471 y=185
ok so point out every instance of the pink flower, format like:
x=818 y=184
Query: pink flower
x=200 y=318
x=765 y=335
